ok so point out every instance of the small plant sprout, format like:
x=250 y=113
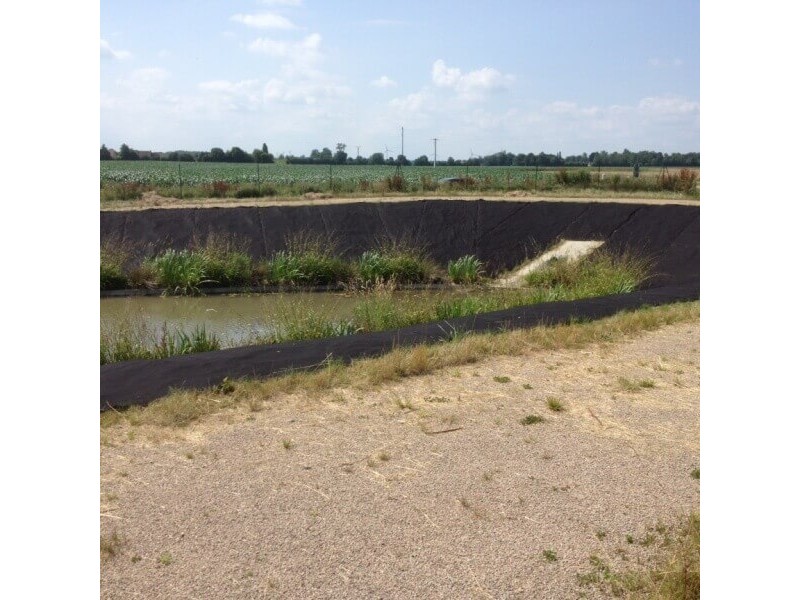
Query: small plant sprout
x=550 y=556
x=288 y=444
x=165 y=558
x=531 y=420
x=555 y=404
x=502 y=379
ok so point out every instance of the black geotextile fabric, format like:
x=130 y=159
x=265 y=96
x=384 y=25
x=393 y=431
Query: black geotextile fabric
x=500 y=233
x=141 y=381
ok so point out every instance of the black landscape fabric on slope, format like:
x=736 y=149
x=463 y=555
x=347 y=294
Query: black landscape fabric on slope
x=142 y=381
x=502 y=234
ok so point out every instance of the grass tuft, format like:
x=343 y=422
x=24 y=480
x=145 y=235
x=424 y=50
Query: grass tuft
x=531 y=420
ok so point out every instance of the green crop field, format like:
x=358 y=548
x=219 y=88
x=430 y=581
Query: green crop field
x=126 y=180
x=164 y=173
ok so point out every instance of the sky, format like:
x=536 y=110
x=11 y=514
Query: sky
x=519 y=76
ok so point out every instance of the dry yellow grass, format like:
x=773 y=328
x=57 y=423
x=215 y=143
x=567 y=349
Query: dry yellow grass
x=181 y=408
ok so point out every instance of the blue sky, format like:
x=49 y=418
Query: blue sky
x=480 y=76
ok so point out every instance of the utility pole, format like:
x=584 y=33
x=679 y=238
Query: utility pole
x=358 y=151
x=434 y=151
x=403 y=142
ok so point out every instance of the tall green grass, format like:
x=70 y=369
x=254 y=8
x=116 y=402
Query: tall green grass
x=309 y=259
x=600 y=274
x=394 y=261
x=467 y=269
x=134 y=339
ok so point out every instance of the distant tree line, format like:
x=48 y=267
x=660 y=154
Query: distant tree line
x=326 y=156
x=234 y=155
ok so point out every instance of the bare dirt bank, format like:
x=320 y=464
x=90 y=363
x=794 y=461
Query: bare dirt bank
x=152 y=200
x=355 y=495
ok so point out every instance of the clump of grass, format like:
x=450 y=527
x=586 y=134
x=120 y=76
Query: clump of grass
x=165 y=558
x=110 y=545
x=555 y=404
x=287 y=444
x=550 y=555
x=308 y=259
x=134 y=339
x=531 y=420
x=225 y=261
x=696 y=473
x=178 y=272
x=501 y=379
x=674 y=577
x=527 y=386
x=396 y=261
x=298 y=321
x=601 y=273
x=467 y=269
x=113 y=257
x=629 y=385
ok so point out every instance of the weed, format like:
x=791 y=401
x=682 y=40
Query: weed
x=165 y=558
x=674 y=577
x=696 y=473
x=555 y=404
x=630 y=539
x=502 y=379
x=601 y=534
x=110 y=545
x=628 y=385
x=225 y=387
x=550 y=555
x=531 y=419
x=136 y=559
x=287 y=444
x=527 y=386
x=384 y=456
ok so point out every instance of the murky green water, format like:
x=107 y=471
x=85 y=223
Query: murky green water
x=238 y=319
x=234 y=319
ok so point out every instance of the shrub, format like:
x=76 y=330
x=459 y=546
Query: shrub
x=218 y=189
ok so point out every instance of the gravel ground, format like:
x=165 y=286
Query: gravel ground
x=427 y=488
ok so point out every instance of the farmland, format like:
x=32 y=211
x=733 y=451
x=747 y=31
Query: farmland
x=126 y=180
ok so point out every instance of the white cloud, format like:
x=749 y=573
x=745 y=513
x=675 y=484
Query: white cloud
x=304 y=52
x=472 y=85
x=222 y=85
x=146 y=82
x=309 y=91
x=412 y=103
x=668 y=106
x=106 y=51
x=383 y=82
x=264 y=21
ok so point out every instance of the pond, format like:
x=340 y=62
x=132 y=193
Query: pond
x=236 y=319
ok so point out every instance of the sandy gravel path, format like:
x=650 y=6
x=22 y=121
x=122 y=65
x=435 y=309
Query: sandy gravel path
x=152 y=200
x=354 y=495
